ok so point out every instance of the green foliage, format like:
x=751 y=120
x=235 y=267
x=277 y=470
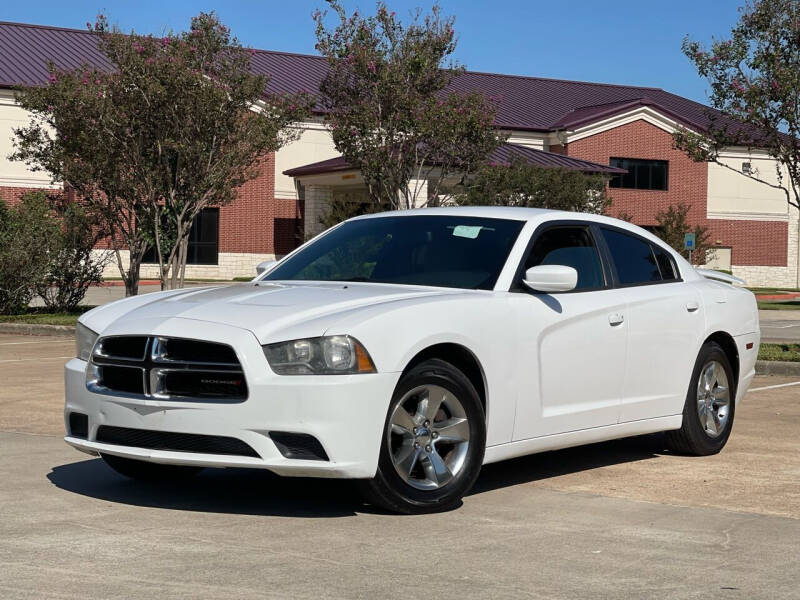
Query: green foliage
x=779 y=305
x=782 y=352
x=165 y=132
x=43 y=316
x=386 y=108
x=73 y=265
x=673 y=225
x=523 y=184
x=26 y=232
x=754 y=77
x=46 y=250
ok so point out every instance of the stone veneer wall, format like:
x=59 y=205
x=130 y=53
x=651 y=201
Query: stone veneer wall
x=231 y=264
x=767 y=276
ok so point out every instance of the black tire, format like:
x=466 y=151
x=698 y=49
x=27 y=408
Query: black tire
x=141 y=470
x=692 y=438
x=387 y=489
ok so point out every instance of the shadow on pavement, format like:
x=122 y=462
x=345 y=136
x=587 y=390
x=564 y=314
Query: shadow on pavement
x=233 y=491
x=536 y=467
x=257 y=492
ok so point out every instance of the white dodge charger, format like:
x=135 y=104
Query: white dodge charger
x=405 y=350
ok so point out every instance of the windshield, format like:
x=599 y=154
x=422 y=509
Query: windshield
x=436 y=250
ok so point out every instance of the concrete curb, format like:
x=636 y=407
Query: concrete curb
x=37 y=329
x=777 y=367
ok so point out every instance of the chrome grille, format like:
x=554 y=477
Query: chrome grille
x=166 y=368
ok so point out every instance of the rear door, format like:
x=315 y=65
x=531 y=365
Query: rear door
x=665 y=321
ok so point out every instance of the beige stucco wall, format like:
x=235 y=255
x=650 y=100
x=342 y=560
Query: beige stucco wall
x=731 y=193
x=15 y=174
x=315 y=144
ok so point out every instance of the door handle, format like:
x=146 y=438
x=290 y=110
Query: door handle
x=615 y=319
x=692 y=306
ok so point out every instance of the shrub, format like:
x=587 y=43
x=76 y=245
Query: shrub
x=46 y=250
x=673 y=225
x=520 y=183
x=26 y=232
x=72 y=264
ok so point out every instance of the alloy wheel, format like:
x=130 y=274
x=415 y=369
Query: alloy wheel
x=428 y=437
x=713 y=398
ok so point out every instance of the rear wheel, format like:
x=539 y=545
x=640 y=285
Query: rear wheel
x=148 y=471
x=710 y=405
x=433 y=442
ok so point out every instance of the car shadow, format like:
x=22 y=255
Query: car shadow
x=545 y=465
x=233 y=491
x=258 y=492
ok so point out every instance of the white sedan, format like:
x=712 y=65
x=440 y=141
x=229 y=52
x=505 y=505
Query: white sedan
x=405 y=350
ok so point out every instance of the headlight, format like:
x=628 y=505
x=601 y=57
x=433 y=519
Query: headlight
x=330 y=355
x=84 y=341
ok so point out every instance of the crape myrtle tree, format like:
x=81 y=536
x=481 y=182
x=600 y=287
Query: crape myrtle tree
x=170 y=126
x=673 y=225
x=387 y=107
x=520 y=183
x=754 y=77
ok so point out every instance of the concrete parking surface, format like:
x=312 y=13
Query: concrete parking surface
x=780 y=326
x=622 y=519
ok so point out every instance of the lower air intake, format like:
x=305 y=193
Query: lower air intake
x=175 y=442
x=78 y=425
x=298 y=445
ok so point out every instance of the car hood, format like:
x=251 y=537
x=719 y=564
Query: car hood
x=272 y=311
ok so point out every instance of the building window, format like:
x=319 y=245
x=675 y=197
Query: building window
x=203 y=240
x=641 y=175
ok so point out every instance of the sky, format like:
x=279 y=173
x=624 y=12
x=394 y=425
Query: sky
x=634 y=42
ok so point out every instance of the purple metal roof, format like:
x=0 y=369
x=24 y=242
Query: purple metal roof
x=525 y=103
x=503 y=155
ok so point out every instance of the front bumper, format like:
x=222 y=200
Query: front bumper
x=346 y=413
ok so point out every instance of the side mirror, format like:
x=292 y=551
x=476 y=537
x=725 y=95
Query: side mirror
x=551 y=278
x=264 y=266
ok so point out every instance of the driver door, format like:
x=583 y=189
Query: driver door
x=571 y=345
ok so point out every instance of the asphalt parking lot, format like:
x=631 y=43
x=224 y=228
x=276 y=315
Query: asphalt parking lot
x=616 y=520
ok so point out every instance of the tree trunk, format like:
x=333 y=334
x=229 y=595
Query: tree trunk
x=132 y=279
x=184 y=255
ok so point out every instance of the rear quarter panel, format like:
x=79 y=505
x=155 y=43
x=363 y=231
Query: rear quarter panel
x=734 y=311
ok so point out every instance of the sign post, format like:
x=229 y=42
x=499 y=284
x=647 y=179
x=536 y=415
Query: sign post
x=689 y=243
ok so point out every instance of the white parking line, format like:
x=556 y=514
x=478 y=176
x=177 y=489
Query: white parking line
x=772 y=387
x=32 y=359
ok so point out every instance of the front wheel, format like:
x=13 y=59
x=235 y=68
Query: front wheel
x=147 y=471
x=710 y=405
x=433 y=442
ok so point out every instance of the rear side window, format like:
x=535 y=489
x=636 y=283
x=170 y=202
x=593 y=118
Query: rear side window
x=665 y=264
x=571 y=247
x=633 y=258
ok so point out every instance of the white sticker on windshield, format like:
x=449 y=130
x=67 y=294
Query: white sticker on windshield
x=467 y=231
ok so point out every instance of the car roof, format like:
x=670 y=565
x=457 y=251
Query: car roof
x=488 y=212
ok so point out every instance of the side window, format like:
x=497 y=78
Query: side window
x=665 y=264
x=572 y=247
x=633 y=258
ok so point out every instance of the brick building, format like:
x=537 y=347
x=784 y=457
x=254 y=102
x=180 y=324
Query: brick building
x=624 y=131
